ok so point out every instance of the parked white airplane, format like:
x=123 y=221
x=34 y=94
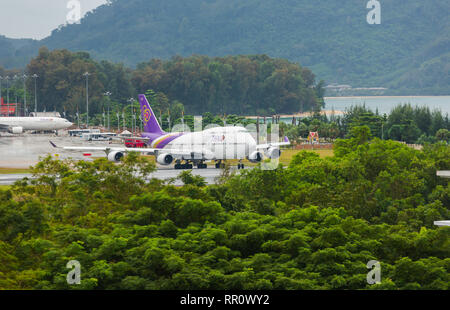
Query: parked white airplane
x=218 y=144
x=18 y=125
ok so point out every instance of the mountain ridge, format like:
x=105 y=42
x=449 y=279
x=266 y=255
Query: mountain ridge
x=407 y=52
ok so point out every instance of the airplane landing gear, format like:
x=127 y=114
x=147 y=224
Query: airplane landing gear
x=220 y=165
x=180 y=166
x=202 y=165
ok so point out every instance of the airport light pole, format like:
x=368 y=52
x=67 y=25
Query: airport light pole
x=123 y=119
x=15 y=78
x=7 y=91
x=168 y=119
x=35 y=76
x=17 y=110
x=86 y=74
x=1 y=79
x=25 y=94
x=131 y=101
x=108 y=94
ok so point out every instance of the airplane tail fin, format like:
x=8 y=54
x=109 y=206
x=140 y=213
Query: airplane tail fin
x=151 y=124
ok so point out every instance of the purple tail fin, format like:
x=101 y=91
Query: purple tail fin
x=151 y=124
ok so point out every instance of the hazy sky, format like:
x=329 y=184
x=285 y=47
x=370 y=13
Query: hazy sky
x=37 y=18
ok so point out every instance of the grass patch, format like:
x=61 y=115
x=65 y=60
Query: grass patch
x=14 y=170
x=4 y=187
x=287 y=155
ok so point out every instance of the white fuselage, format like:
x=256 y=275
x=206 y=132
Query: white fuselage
x=218 y=143
x=36 y=123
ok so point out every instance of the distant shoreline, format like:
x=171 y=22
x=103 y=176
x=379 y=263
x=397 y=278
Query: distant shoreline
x=304 y=114
x=351 y=97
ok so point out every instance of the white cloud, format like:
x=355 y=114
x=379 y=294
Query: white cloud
x=36 y=18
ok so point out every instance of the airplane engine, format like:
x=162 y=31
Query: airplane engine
x=273 y=153
x=115 y=156
x=255 y=157
x=164 y=159
x=15 y=130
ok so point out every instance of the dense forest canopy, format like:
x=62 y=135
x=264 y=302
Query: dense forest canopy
x=410 y=124
x=220 y=89
x=234 y=84
x=314 y=225
x=408 y=52
x=245 y=85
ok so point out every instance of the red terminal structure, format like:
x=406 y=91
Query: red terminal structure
x=8 y=109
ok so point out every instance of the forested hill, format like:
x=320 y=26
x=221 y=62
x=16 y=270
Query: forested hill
x=408 y=52
x=15 y=52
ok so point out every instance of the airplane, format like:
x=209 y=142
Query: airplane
x=187 y=149
x=18 y=125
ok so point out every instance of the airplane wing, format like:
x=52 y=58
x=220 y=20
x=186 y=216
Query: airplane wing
x=190 y=153
x=275 y=144
x=102 y=148
x=132 y=138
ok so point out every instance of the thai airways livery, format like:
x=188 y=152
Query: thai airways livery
x=18 y=125
x=189 y=149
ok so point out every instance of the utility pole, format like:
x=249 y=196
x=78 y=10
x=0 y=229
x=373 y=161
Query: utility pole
x=108 y=94
x=443 y=174
x=35 y=76
x=86 y=74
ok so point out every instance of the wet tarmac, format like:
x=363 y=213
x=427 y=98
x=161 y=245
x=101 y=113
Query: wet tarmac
x=25 y=150
x=9 y=179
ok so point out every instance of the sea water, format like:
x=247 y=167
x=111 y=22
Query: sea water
x=385 y=104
